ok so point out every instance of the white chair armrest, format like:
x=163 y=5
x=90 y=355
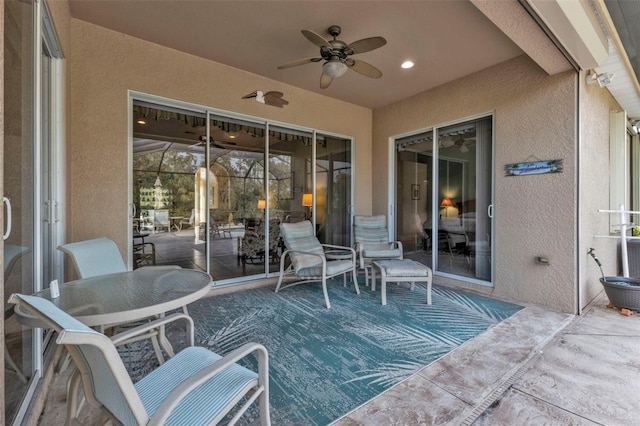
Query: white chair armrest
x=183 y=389
x=343 y=248
x=398 y=244
x=159 y=267
x=146 y=327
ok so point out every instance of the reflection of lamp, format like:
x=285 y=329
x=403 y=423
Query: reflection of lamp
x=446 y=203
x=307 y=201
x=262 y=204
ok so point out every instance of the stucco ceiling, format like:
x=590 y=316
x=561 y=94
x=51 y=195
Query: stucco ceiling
x=446 y=39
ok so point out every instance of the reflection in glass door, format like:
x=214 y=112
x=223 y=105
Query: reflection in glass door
x=445 y=212
x=333 y=190
x=290 y=186
x=210 y=191
x=18 y=195
x=167 y=155
x=237 y=198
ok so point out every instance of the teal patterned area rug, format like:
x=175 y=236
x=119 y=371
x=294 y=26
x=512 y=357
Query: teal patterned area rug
x=326 y=362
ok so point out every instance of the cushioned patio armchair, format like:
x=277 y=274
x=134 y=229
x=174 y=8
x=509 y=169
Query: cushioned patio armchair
x=372 y=242
x=195 y=387
x=309 y=260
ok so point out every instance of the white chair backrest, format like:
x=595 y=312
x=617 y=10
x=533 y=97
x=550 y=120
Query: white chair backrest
x=370 y=229
x=300 y=236
x=95 y=257
x=95 y=356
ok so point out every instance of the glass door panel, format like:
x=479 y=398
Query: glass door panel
x=205 y=198
x=333 y=190
x=443 y=213
x=167 y=154
x=289 y=181
x=414 y=204
x=464 y=226
x=18 y=170
x=237 y=198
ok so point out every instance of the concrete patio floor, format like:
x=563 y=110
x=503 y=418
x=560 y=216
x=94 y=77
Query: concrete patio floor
x=537 y=367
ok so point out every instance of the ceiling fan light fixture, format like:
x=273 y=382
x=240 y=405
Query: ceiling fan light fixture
x=334 y=68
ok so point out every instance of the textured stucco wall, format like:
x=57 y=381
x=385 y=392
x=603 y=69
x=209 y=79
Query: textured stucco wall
x=534 y=215
x=104 y=64
x=595 y=105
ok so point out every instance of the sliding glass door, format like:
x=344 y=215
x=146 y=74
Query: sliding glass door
x=210 y=191
x=32 y=191
x=444 y=198
x=18 y=195
x=333 y=190
x=290 y=183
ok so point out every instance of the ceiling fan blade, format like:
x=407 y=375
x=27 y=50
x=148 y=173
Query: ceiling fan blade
x=325 y=81
x=316 y=39
x=364 y=68
x=366 y=44
x=299 y=62
x=275 y=99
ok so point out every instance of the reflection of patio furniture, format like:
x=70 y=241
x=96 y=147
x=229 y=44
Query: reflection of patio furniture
x=12 y=254
x=176 y=222
x=189 y=222
x=308 y=260
x=145 y=223
x=172 y=392
x=251 y=244
x=294 y=217
x=221 y=230
x=216 y=230
x=143 y=253
x=372 y=241
x=400 y=270
x=161 y=221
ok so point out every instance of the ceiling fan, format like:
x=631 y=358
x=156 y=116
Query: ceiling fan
x=337 y=54
x=269 y=98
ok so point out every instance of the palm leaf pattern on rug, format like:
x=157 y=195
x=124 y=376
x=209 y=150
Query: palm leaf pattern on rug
x=226 y=338
x=389 y=374
x=323 y=363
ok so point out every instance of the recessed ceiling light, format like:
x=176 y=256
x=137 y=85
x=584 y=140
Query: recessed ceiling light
x=141 y=122
x=407 y=64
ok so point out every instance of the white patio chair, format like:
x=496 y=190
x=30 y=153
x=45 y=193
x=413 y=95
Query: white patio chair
x=372 y=242
x=195 y=387
x=100 y=256
x=91 y=258
x=308 y=259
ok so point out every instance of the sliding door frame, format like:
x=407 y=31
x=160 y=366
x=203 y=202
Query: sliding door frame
x=134 y=96
x=393 y=197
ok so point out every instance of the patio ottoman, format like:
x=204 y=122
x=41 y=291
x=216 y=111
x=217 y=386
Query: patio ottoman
x=400 y=270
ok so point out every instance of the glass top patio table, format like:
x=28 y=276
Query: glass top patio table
x=126 y=296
